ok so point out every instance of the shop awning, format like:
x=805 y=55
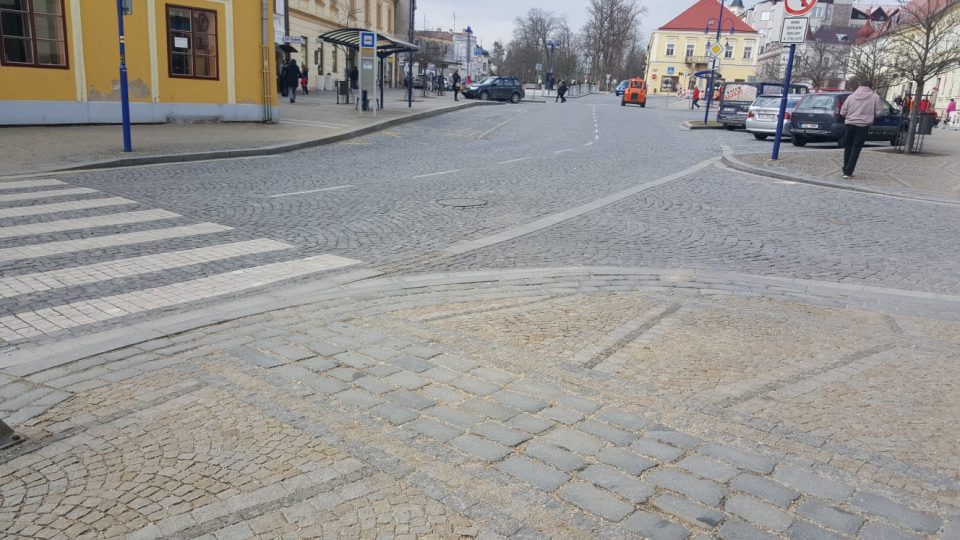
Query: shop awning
x=350 y=37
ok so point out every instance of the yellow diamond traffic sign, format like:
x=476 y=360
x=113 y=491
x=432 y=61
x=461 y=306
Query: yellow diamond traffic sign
x=716 y=49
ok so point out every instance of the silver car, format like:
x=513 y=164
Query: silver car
x=762 y=118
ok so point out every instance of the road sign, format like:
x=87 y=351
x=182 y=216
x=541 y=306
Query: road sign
x=798 y=8
x=293 y=39
x=539 y=67
x=671 y=70
x=794 y=30
x=368 y=67
x=715 y=50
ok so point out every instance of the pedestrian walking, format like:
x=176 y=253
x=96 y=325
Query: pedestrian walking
x=281 y=82
x=354 y=78
x=859 y=112
x=455 y=78
x=695 y=101
x=561 y=92
x=951 y=116
x=291 y=76
x=304 y=80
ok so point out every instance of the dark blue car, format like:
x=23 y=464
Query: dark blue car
x=817 y=119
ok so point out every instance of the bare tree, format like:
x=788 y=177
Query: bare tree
x=636 y=61
x=611 y=29
x=869 y=63
x=529 y=45
x=925 y=44
x=821 y=63
x=768 y=69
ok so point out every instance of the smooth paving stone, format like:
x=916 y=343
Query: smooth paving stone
x=896 y=513
x=394 y=414
x=359 y=398
x=355 y=360
x=346 y=374
x=324 y=348
x=577 y=403
x=454 y=416
x=629 y=487
x=406 y=398
x=501 y=433
x=675 y=438
x=876 y=531
x=484 y=449
x=436 y=430
x=573 y=440
x=439 y=374
x=423 y=351
x=489 y=409
x=830 y=517
x=687 y=510
x=406 y=379
x=494 y=375
x=256 y=357
x=530 y=423
x=564 y=416
x=441 y=393
x=625 y=460
x=654 y=527
x=758 y=513
x=595 y=501
x=812 y=483
x=606 y=432
x=704 y=491
x=455 y=363
x=744 y=460
x=382 y=370
x=318 y=364
x=519 y=401
x=735 y=529
x=765 y=489
x=630 y=422
x=555 y=456
x=708 y=468
x=546 y=478
x=374 y=385
x=655 y=449
x=473 y=385
x=411 y=363
x=802 y=530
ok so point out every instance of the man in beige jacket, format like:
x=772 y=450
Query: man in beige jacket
x=859 y=111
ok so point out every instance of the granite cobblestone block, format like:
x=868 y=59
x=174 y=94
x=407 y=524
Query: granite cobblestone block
x=546 y=478
x=595 y=501
x=689 y=511
x=704 y=491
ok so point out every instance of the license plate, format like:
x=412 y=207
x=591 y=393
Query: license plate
x=810 y=126
x=765 y=116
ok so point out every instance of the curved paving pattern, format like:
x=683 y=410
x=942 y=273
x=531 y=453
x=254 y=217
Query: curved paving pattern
x=634 y=402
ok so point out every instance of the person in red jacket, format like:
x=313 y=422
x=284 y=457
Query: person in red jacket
x=695 y=102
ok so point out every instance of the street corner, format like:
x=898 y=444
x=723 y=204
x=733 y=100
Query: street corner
x=571 y=402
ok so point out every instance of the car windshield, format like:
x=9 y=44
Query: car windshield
x=773 y=102
x=488 y=80
x=622 y=85
x=819 y=103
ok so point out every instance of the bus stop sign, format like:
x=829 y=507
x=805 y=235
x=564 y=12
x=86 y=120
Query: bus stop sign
x=798 y=8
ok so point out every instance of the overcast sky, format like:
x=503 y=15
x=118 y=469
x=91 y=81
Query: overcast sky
x=492 y=20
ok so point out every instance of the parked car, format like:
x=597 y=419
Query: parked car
x=817 y=119
x=621 y=87
x=763 y=115
x=635 y=93
x=500 y=88
x=736 y=98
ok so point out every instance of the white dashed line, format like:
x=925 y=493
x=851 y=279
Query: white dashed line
x=562 y=151
x=513 y=160
x=434 y=174
x=311 y=191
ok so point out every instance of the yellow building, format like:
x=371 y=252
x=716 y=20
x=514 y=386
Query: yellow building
x=679 y=49
x=186 y=59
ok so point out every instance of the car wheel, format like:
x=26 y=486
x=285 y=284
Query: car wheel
x=728 y=127
x=623 y=103
x=515 y=98
x=797 y=140
x=485 y=96
x=760 y=136
x=643 y=104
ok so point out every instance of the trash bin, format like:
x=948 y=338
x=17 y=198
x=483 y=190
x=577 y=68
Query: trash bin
x=343 y=90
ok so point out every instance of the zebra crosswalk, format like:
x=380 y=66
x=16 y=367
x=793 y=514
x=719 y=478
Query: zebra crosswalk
x=91 y=258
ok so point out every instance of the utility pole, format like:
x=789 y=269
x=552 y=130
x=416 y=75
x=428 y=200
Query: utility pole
x=124 y=87
x=410 y=38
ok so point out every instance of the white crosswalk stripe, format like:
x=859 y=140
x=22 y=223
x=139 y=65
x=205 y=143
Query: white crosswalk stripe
x=20 y=184
x=49 y=320
x=135 y=266
x=124 y=218
x=45 y=194
x=71 y=269
x=53 y=208
x=72 y=246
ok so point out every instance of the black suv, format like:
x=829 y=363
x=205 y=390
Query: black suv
x=817 y=119
x=501 y=88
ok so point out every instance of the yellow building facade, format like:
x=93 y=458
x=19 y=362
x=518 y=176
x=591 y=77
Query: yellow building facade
x=186 y=59
x=679 y=49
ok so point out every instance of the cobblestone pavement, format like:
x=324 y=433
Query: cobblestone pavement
x=932 y=172
x=314 y=116
x=566 y=403
x=708 y=354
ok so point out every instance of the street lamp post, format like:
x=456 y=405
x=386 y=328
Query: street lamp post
x=552 y=45
x=469 y=32
x=713 y=69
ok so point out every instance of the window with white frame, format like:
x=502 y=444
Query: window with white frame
x=671 y=48
x=728 y=51
x=748 y=50
x=765 y=16
x=691 y=49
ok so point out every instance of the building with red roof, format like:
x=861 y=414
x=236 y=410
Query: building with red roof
x=680 y=49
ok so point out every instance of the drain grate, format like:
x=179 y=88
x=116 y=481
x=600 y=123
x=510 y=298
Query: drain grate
x=462 y=203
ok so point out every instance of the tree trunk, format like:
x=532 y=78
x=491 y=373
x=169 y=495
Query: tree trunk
x=914 y=116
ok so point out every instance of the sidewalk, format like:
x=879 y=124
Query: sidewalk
x=932 y=173
x=314 y=119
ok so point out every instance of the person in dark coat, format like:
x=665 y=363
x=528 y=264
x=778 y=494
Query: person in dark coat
x=561 y=92
x=291 y=77
x=455 y=79
x=354 y=78
x=305 y=80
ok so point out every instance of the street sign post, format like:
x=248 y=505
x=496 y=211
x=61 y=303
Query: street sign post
x=794 y=31
x=124 y=86
x=368 y=68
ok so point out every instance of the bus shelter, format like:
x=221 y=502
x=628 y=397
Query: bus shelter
x=386 y=46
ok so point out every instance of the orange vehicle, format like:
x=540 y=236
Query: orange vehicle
x=636 y=93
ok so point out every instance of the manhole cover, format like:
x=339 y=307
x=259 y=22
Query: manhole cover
x=462 y=203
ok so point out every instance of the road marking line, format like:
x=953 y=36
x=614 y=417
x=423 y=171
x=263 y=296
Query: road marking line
x=590 y=143
x=45 y=194
x=53 y=319
x=53 y=208
x=311 y=191
x=31 y=184
x=312 y=123
x=434 y=174
x=122 y=268
x=123 y=218
x=467 y=246
x=35 y=251
x=562 y=151
x=498 y=126
x=513 y=160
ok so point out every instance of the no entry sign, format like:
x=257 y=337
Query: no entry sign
x=798 y=8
